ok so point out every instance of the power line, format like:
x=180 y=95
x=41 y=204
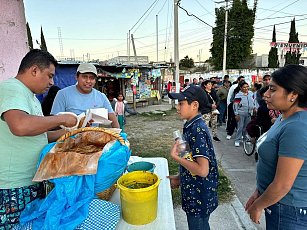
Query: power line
x=146 y=17
x=192 y=15
x=297 y=15
x=91 y=39
x=282 y=9
x=143 y=14
x=280 y=23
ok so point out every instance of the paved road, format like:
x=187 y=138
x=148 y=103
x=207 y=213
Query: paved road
x=240 y=168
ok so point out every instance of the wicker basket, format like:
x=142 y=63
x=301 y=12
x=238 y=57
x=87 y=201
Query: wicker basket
x=106 y=194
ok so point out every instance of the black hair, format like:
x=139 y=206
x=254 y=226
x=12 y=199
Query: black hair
x=201 y=78
x=42 y=59
x=186 y=80
x=257 y=86
x=293 y=78
x=241 y=83
x=206 y=82
x=120 y=94
x=265 y=76
x=226 y=76
x=240 y=77
x=48 y=100
x=263 y=90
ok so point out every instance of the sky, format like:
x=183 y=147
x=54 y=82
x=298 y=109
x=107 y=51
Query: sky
x=98 y=29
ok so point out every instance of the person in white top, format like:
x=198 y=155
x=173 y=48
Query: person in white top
x=231 y=121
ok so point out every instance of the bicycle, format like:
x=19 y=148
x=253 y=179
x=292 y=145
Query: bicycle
x=249 y=143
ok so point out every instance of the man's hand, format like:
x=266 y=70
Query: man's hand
x=68 y=120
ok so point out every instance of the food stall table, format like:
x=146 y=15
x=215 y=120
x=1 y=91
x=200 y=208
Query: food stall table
x=165 y=213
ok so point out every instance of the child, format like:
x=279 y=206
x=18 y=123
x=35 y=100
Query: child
x=120 y=106
x=198 y=177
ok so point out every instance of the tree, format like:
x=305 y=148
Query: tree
x=186 y=62
x=30 y=41
x=273 y=57
x=240 y=31
x=43 y=45
x=293 y=56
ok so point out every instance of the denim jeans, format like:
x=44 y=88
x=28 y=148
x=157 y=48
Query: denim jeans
x=198 y=223
x=284 y=217
x=222 y=108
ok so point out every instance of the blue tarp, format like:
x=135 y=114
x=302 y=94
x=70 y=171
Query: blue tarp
x=66 y=206
x=65 y=75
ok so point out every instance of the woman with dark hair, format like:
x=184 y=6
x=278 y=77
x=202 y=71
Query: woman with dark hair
x=213 y=102
x=281 y=169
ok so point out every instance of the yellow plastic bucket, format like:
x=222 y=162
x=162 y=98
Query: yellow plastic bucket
x=139 y=197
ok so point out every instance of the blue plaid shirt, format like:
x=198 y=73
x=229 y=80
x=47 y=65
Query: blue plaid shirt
x=199 y=194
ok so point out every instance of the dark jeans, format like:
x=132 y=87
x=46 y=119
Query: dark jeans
x=222 y=110
x=198 y=223
x=231 y=121
x=284 y=217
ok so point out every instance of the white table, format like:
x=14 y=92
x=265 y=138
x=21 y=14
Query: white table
x=165 y=215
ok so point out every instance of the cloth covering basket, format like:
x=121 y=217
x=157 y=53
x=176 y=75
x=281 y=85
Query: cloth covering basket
x=67 y=204
x=105 y=191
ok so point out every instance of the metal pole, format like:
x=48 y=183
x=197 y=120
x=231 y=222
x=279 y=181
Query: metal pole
x=225 y=38
x=176 y=44
x=129 y=47
x=157 y=37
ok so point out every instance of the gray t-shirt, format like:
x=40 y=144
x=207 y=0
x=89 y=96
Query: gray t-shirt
x=286 y=138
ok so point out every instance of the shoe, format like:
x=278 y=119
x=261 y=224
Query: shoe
x=216 y=139
x=237 y=144
x=228 y=137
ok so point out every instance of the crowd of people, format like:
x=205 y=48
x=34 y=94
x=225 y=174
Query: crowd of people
x=278 y=105
x=238 y=105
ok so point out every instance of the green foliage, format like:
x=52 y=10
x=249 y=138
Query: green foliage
x=273 y=56
x=186 y=63
x=30 y=41
x=224 y=191
x=240 y=31
x=292 y=57
x=43 y=45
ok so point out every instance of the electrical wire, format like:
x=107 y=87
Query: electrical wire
x=282 y=9
x=143 y=15
x=146 y=17
x=192 y=15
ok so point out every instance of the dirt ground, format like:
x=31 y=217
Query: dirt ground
x=151 y=134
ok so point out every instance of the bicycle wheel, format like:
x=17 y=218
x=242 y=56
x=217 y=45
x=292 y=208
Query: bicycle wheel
x=249 y=146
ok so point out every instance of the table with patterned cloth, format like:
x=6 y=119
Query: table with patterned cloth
x=165 y=216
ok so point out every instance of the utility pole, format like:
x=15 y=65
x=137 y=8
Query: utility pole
x=60 y=42
x=176 y=45
x=157 y=38
x=134 y=50
x=129 y=47
x=225 y=38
